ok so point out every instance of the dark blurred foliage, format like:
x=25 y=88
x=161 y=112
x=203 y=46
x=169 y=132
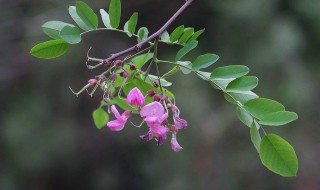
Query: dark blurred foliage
x=48 y=140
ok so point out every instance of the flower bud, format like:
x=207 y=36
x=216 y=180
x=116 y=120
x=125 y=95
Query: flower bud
x=92 y=82
x=118 y=63
x=114 y=77
x=164 y=97
x=151 y=93
x=102 y=78
x=157 y=98
x=155 y=84
x=125 y=74
x=132 y=67
x=107 y=63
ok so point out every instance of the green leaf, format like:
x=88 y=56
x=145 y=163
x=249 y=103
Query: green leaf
x=196 y=35
x=244 y=116
x=278 y=156
x=175 y=35
x=230 y=72
x=203 y=75
x=245 y=83
x=278 y=118
x=188 y=32
x=261 y=107
x=186 y=49
x=73 y=13
x=121 y=102
x=132 y=23
x=165 y=36
x=53 y=28
x=163 y=82
x=71 y=34
x=243 y=97
x=255 y=135
x=143 y=34
x=100 y=118
x=50 y=49
x=185 y=67
x=105 y=18
x=204 y=61
x=87 y=15
x=115 y=13
x=140 y=60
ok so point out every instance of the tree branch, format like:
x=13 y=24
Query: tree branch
x=157 y=34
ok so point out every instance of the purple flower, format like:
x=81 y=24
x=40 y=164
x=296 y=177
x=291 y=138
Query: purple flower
x=179 y=123
x=175 y=146
x=154 y=109
x=135 y=97
x=147 y=137
x=118 y=124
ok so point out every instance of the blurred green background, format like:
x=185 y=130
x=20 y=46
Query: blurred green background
x=47 y=137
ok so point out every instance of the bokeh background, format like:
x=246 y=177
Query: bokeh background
x=47 y=137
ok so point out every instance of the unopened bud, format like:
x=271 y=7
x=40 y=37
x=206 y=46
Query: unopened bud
x=164 y=97
x=114 y=77
x=132 y=67
x=125 y=74
x=107 y=63
x=151 y=93
x=118 y=63
x=157 y=98
x=155 y=84
x=169 y=106
x=102 y=78
x=92 y=82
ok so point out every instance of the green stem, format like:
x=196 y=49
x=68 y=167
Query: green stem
x=155 y=60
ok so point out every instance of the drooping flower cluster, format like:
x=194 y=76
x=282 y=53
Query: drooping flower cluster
x=155 y=115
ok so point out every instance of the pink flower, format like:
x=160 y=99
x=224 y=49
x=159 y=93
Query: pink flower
x=155 y=117
x=118 y=124
x=135 y=97
x=175 y=146
x=179 y=123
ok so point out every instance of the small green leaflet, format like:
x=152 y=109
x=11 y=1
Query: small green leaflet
x=140 y=60
x=143 y=34
x=186 y=49
x=132 y=23
x=230 y=72
x=196 y=35
x=261 y=107
x=244 y=117
x=86 y=14
x=175 y=35
x=185 y=67
x=243 y=97
x=100 y=118
x=278 y=156
x=165 y=37
x=245 y=83
x=188 y=32
x=152 y=78
x=204 y=61
x=115 y=13
x=50 y=49
x=105 y=18
x=73 y=13
x=71 y=34
x=53 y=28
x=255 y=135
x=278 y=118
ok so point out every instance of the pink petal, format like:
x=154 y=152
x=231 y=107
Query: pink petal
x=152 y=121
x=175 y=146
x=154 y=109
x=159 y=131
x=116 y=112
x=135 y=97
x=116 y=125
x=180 y=123
x=125 y=116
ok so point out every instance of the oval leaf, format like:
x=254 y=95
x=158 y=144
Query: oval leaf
x=244 y=117
x=188 y=32
x=204 y=61
x=105 y=18
x=143 y=34
x=186 y=49
x=53 y=28
x=175 y=35
x=73 y=13
x=255 y=135
x=50 y=49
x=196 y=35
x=261 y=107
x=87 y=15
x=100 y=118
x=278 y=156
x=115 y=13
x=245 y=83
x=230 y=72
x=279 y=118
x=71 y=34
x=165 y=36
x=132 y=23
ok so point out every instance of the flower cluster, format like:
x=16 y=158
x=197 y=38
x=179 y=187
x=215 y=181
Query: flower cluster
x=154 y=114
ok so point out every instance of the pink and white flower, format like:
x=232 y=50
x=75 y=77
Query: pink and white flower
x=175 y=146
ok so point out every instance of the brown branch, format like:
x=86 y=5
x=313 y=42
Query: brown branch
x=157 y=34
